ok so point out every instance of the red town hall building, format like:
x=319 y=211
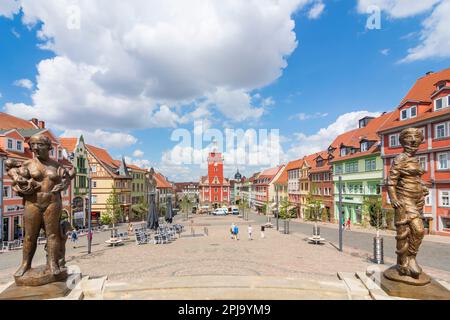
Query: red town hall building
x=427 y=107
x=214 y=189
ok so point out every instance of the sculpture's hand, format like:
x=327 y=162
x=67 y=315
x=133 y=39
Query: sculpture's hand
x=396 y=204
x=59 y=188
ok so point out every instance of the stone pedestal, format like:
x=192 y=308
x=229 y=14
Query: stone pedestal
x=423 y=288
x=40 y=276
x=48 y=291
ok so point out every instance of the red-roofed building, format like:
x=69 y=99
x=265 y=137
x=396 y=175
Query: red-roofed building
x=74 y=149
x=356 y=157
x=164 y=190
x=265 y=189
x=14 y=136
x=107 y=174
x=293 y=181
x=321 y=184
x=426 y=106
x=214 y=189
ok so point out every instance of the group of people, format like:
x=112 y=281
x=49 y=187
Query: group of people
x=346 y=223
x=234 y=232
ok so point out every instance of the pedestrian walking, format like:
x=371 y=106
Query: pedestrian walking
x=263 y=228
x=236 y=232
x=250 y=231
x=348 y=223
x=343 y=221
x=74 y=237
x=232 y=230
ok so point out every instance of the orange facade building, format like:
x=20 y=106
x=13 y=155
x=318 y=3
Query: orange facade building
x=426 y=106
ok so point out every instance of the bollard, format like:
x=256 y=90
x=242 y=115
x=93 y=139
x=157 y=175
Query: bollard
x=378 y=254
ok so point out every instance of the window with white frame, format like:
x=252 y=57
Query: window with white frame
x=442 y=130
x=408 y=113
x=10 y=144
x=364 y=146
x=441 y=103
x=428 y=200
x=343 y=152
x=442 y=161
x=19 y=145
x=423 y=162
x=444 y=198
x=394 y=140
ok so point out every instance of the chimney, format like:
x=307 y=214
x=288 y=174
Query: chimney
x=41 y=124
x=35 y=121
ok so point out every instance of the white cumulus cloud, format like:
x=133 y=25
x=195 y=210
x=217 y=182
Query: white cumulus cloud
x=24 y=83
x=138 y=153
x=321 y=140
x=126 y=59
x=434 y=36
x=316 y=11
x=103 y=138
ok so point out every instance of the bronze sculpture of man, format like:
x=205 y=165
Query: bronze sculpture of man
x=40 y=182
x=407 y=193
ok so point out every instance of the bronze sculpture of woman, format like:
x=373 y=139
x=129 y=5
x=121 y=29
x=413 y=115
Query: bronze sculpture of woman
x=40 y=182
x=407 y=193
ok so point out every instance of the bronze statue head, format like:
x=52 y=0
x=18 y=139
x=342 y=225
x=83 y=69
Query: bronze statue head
x=41 y=146
x=411 y=139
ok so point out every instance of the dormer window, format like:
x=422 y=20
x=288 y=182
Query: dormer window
x=19 y=145
x=364 y=146
x=10 y=144
x=441 y=103
x=408 y=113
x=343 y=152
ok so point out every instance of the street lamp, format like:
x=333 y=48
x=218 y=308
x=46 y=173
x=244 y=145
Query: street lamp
x=89 y=212
x=340 y=213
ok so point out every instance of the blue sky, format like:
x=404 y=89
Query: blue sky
x=338 y=71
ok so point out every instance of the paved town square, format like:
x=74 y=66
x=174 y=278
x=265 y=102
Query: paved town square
x=225 y=150
x=209 y=264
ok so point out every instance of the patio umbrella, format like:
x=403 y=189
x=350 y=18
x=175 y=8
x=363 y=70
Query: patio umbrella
x=152 y=219
x=169 y=213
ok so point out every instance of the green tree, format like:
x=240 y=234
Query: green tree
x=285 y=213
x=373 y=206
x=114 y=210
x=140 y=209
x=186 y=205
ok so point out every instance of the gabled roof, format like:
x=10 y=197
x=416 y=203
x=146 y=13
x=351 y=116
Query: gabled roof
x=283 y=178
x=8 y=121
x=354 y=137
x=69 y=144
x=425 y=87
x=135 y=168
x=161 y=181
x=295 y=164
x=422 y=90
x=111 y=165
x=28 y=133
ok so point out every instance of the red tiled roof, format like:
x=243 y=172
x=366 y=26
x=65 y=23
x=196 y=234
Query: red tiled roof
x=134 y=167
x=161 y=181
x=8 y=121
x=354 y=137
x=283 y=178
x=68 y=143
x=294 y=164
x=422 y=91
x=103 y=156
x=425 y=86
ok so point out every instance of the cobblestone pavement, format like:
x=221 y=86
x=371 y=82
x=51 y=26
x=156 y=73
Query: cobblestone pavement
x=213 y=255
x=432 y=254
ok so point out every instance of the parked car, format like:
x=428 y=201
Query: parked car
x=235 y=211
x=220 y=212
